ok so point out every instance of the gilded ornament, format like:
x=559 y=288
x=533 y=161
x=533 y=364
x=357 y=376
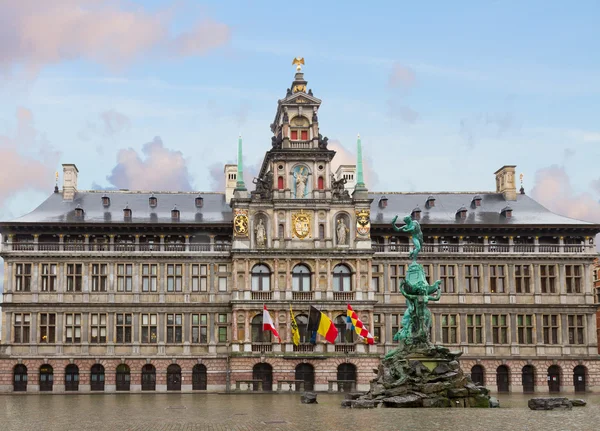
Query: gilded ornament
x=240 y=222
x=363 y=222
x=301 y=223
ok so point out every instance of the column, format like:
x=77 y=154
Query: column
x=6 y=333
x=86 y=242
x=137 y=243
x=110 y=330
x=461 y=243
x=234 y=333
x=247 y=326
x=511 y=244
x=536 y=244
x=436 y=244
x=562 y=281
x=162 y=242
x=135 y=329
x=561 y=244
x=36 y=239
x=212 y=327
x=61 y=242
x=212 y=242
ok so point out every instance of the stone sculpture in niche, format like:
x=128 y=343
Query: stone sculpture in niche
x=342 y=231
x=261 y=234
x=301 y=176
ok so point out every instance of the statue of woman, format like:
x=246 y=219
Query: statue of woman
x=300 y=183
x=342 y=230
x=261 y=234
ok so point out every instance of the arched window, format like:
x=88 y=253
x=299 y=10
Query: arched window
x=342 y=279
x=345 y=335
x=123 y=377
x=46 y=378
x=264 y=372
x=347 y=373
x=71 y=378
x=554 y=378
x=503 y=378
x=579 y=381
x=478 y=375
x=302 y=322
x=261 y=278
x=258 y=335
x=20 y=378
x=528 y=379
x=173 y=377
x=199 y=379
x=305 y=372
x=97 y=378
x=148 y=378
x=301 y=279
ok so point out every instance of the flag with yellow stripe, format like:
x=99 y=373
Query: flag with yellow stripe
x=295 y=331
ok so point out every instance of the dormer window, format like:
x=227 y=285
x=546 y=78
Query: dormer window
x=383 y=201
x=127 y=213
x=175 y=214
x=416 y=214
x=105 y=201
x=461 y=213
x=152 y=201
x=79 y=212
x=506 y=212
x=199 y=201
x=430 y=203
x=476 y=202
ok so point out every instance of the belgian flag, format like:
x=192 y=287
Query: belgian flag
x=320 y=323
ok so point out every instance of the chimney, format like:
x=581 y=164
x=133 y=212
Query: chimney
x=70 y=172
x=230 y=181
x=505 y=182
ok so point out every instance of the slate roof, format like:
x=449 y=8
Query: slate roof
x=525 y=210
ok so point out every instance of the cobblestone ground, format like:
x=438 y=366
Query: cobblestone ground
x=213 y=412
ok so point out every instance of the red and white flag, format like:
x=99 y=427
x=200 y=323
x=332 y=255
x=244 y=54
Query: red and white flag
x=268 y=323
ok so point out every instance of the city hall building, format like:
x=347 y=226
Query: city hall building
x=164 y=291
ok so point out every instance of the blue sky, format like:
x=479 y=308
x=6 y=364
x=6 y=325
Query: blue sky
x=442 y=93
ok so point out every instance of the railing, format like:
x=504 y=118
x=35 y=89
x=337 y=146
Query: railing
x=545 y=248
x=448 y=248
x=302 y=296
x=304 y=347
x=524 y=248
x=262 y=347
x=298 y=385
x=473 y=248
x=342 y=385
x=343 y=296
x=262 y=296
x=573 y=248
x=300 y=144
x=345 y=348
x=487 y=248
x=117 y=247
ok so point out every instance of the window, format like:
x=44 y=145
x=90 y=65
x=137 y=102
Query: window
x=174 y=328
x=525 y=328
x=49 y=272
x=199 y=278
x=261 y=278
x=301 y=279
x=47 y=327
x=523 y=278
x=345 y=334
x=449 y=328
x=200 y=328
x=21 y=327
x=99 y=277
x=320 y=184
x=342 y=279
x=174 y=277
x=395 y=326
x=124 y=277
x=550 y=328
x=548 y=278
x=397 y=273
x=576 y=325
x=149 y=332
x=375 y=277
x=500 y=328
x=98 y=328
x=222 y=328
x=74 y=277
x=448 y=277
x=304 y=135
x=149 y=277
x=474 y=329
x=377 y=327
x=497 y=279
x=222 y=280
x=258 y=335
x=72 y=328
x=124 y=325
x=573 y=278
x=472 y=278
x=294 y=134
x=23 y=277
x=280 y=187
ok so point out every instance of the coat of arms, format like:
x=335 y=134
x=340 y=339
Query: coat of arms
x=363 y=222
x=301 y=224
x=240 y=222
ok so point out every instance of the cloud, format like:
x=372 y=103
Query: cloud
x=111 y=123
x=113 y=33
x=553 y=189
x=486 y=125
x=401 y=76
x=158 y=168
x=397 y=110
x=28 y=160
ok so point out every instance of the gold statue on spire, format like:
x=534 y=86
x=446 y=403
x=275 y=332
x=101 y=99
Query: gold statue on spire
x=298 y=61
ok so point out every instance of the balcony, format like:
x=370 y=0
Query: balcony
x=116 y=247
x=302 y=296
x=304 y=348
x=345 y=348
x=261 y=296
x=262 y=347
x=488 y=248
x=301 y=145
x=343 y=296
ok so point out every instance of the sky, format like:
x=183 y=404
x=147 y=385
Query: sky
x=153 y=94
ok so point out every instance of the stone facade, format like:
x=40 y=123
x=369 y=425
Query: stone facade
x=174 y=283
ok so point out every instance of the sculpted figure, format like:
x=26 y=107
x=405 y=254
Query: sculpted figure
x=342 y=230
x=261 y=234
x=414 y=228
x=301 y=179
